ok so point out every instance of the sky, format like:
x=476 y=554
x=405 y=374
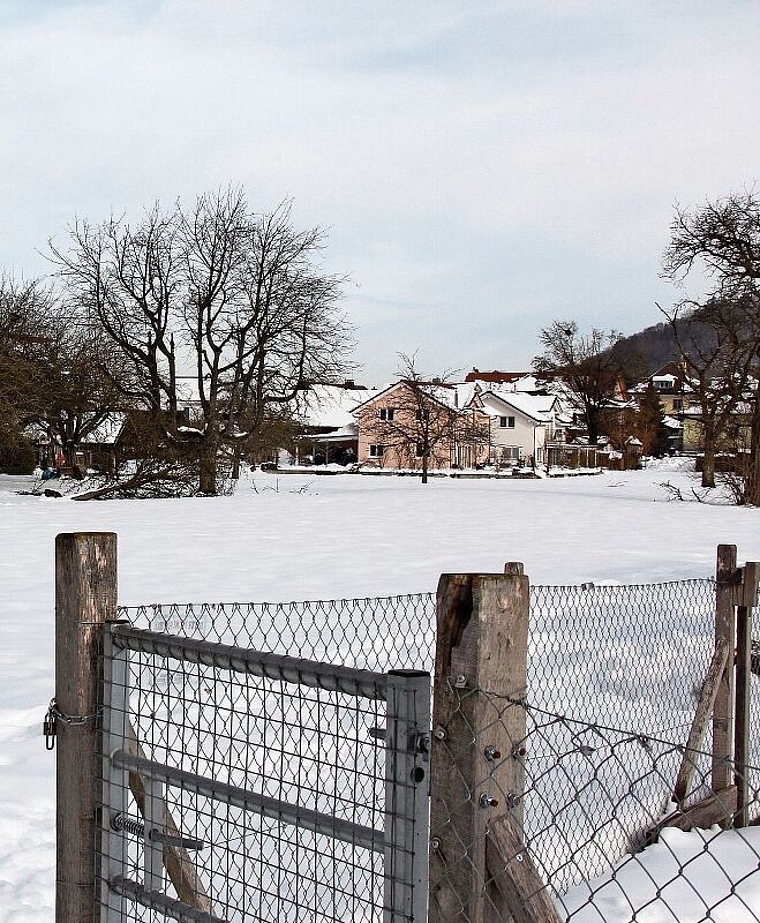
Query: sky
x=480 y=169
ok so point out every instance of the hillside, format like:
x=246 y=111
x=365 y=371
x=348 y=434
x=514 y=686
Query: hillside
x=656 y=345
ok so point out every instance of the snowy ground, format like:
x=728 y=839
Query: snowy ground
x=301 y=537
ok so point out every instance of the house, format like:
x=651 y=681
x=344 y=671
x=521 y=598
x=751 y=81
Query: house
x=329 y=433
x=673 y=387
x=521 y=424
x=421 y=425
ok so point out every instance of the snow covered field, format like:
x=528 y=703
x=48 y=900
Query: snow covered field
x=307 y=537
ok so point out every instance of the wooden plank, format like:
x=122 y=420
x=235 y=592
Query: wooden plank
x=178 y=862
x=742 y=723
x=699 y=723
x=85 y=597
x=513 y=873
x=718 y=808
x=481 y=645
x=750 y=583
x=726 y=576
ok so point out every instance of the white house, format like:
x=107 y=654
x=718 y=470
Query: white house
x=521 y=424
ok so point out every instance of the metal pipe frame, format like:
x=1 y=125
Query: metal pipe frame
x=273 y=808
x=280 y=667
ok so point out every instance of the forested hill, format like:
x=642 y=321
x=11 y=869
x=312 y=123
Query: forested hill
x=656 y=345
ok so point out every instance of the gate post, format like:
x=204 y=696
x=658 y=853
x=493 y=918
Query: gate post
x=407 y=785
x=479 y=869
x=85 y=598
x=725 y=633
x=746 y=602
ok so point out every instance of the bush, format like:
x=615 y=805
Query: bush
x=17 y=455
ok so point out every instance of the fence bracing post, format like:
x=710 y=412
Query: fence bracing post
x=479 y=868
x=113 y=843
x=407 y=786
x=85 y=598
x=725 y=632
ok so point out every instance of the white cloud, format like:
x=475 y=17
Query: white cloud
x=482 y=170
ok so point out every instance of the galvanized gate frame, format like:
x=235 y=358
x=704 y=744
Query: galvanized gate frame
x=403 y=842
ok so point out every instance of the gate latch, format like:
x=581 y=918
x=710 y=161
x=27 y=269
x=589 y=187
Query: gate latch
x=48 y=726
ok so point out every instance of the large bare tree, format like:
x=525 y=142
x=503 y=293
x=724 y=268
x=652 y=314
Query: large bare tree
x=588 y=365
x=719 y=243
x=231 y=303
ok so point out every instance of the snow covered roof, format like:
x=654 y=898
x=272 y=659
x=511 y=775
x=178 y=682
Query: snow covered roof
x=339 y=435
x=331 y=405
x=538 y=407
x=450 y=395
x=107 y=431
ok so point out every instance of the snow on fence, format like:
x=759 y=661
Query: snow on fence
x=558 y=753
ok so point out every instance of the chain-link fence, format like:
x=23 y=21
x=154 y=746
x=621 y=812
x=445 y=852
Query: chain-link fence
x=593 y=797
x=614 y=677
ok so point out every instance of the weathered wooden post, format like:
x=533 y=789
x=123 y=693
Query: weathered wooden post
x=85 y=597
x=725 y=633
x=479 y=869
x=747 y=598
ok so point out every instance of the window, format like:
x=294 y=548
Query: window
x=423 y=414
x=677 y=404
x=386 y=413
x=507 y=422
x=510 y=454
x=420 y=450
x=376 y=451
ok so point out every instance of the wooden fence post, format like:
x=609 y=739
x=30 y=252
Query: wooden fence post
x=479 y=869
x=747 y=599
x=725 y=632
x=85 y=597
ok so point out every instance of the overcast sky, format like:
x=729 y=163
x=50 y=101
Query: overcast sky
x=482 y=168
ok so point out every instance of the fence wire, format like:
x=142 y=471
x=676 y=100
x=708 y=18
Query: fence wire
x=266 y=789
x=593 y=788
x=600 y=658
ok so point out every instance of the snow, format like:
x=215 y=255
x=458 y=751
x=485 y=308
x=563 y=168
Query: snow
x=302 y=537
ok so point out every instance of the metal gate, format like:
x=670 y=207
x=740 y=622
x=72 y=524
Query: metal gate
x=241 y=786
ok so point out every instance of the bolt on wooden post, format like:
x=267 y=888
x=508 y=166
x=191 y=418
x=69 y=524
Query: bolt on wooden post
x=479 y=869
x=85 y=598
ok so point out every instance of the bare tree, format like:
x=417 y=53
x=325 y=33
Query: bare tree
x=52 y=370
x=423 y=421
x=720 y=241
x=588 y=366
x=231 y=302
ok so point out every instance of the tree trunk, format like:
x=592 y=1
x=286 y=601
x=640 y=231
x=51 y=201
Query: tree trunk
x=592 y=426
x=425 y=467
x=752 y=477
x=207 y=465
x=708 y=463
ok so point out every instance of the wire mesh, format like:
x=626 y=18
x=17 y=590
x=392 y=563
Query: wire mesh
x=383 y=633
x=269 y=794
x=593 y=787
x=614 y=676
